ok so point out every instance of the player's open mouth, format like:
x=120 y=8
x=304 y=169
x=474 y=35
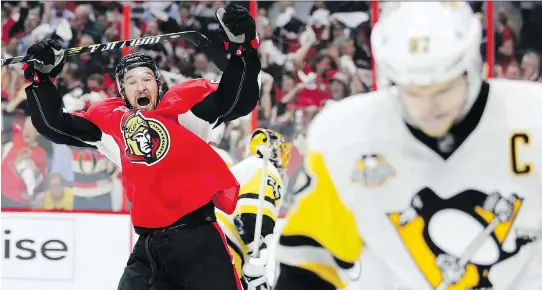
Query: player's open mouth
x=143 y=101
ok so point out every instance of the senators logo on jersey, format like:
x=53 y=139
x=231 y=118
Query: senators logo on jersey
x=146 y=139
x=459 y=257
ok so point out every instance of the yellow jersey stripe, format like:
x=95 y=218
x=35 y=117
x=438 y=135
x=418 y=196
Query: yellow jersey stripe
x=320 y=222
x=223 y=220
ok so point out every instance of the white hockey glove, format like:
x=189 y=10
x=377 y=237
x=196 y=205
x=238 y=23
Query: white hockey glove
x=254 y=271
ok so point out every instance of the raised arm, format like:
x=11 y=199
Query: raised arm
x=45 y=103
x=239 y=89
x=237 y=94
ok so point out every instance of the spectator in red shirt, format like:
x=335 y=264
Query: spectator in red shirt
x=24 y=165
x=316 y=79
x=505 y=42
x=25 y=24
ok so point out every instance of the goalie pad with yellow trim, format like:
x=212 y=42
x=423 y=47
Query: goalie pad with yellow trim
x=239 y=227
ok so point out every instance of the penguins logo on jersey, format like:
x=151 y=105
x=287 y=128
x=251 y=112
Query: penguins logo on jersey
x=146 y=139
x=372 y=170
x=456 y=241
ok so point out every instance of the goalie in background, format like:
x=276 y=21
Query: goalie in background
x=239 y=227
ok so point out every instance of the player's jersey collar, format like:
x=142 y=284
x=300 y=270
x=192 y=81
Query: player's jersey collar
x=449 y=143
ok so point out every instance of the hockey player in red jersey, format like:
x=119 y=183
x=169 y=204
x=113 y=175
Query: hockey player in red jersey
x=173 y=178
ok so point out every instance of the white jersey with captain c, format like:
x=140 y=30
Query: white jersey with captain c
x=417 y=213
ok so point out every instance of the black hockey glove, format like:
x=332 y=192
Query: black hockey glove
x=49 y=60
x=238 y=30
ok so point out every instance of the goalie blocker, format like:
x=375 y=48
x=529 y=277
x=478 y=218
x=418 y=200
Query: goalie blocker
x=173 y=178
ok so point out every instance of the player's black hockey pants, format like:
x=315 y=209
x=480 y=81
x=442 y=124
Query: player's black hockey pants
x=185 y=256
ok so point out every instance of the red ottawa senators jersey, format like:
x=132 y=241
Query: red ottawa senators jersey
x=168 y=170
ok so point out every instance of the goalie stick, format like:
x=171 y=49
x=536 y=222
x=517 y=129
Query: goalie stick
x=261 y=199
x=266 y=152
x=199 y=40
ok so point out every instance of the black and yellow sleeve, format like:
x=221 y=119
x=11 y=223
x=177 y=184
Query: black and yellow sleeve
x=319 y=242
x=247 y=206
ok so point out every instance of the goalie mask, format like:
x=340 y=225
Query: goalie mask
x=280 y=149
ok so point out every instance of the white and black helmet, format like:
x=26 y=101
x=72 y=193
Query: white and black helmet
x=426 y=43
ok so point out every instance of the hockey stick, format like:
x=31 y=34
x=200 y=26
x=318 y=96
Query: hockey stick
x=261 y=199
x=196 y=38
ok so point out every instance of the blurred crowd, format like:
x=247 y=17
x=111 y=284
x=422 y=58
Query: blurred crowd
x=312 y=52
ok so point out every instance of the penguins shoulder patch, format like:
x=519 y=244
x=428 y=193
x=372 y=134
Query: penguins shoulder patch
x=372 y=170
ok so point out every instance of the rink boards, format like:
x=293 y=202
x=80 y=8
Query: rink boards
x=66 y=251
